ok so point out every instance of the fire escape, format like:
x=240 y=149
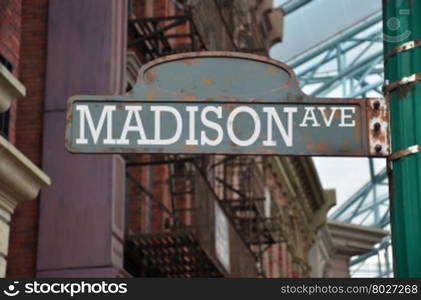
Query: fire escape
x=170 y=199
x=170 y=226
x=167 y=232
x=154 y=37
x=241 y=191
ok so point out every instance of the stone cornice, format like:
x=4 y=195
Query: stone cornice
x=319 y=217
x=350 y=239
x=20 y=179
x=10 y=88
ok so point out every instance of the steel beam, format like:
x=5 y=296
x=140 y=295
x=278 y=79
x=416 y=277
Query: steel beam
x=339 y=38
x=293 y=5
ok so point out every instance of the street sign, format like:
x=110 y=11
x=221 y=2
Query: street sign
x=227 y=103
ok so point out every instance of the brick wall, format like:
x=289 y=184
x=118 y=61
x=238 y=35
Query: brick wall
x=10 y=11
x=28 y=132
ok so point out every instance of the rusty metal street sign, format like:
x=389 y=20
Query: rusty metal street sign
x=227 y=103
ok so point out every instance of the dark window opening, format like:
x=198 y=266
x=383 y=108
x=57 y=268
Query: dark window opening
x=5 y=116
x=6 y=63
x=4 y=124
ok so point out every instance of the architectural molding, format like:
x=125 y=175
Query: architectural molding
x=320 y=216
x=353 y=239
x=321 y=252
x=308 y=203
x=20 y=179
x=349 y=240
x=10 y=88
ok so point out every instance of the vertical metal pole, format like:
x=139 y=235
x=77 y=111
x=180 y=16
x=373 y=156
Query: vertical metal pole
x=387 y=261
x=374 y=190
x=402 y=24
x=379 y=265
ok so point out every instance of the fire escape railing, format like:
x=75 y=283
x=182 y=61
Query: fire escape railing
x=168 y=232
x=161 y=237
x=242 y=194
x=169 y=201
x=159 y=36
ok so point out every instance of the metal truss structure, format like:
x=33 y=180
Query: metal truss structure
x=292 y=5
x=351 y=65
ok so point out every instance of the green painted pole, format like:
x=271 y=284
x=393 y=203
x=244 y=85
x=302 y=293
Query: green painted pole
x=402 y=25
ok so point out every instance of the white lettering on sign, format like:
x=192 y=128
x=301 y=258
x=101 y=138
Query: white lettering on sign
x=95 y=131
x=132 y=111
x=310 y=116
x=213 y=125
x=192 y=129
x=158 y=139
x=347 y=116
x=205 y=125
x=273 y=115
x=231 y=131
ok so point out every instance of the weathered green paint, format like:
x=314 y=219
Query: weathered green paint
x=405 y=111
x=229 y=82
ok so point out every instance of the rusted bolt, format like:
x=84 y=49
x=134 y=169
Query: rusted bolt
x=376 y=104
x=378 y=148
x=377 y=126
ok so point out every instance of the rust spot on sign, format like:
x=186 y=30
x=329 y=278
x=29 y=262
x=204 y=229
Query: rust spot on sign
x=208 y=81
x=191 y=61
x=189 y=147
x=189 y=97
x=150 y=95
x=318 y=147
x=150 y=76
x=272 y=70
x=228 y=106
x=345 y=143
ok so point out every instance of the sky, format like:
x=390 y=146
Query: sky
x=346 y=175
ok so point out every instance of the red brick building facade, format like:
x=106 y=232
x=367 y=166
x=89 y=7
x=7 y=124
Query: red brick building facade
x=22 y=51
x=99 y=209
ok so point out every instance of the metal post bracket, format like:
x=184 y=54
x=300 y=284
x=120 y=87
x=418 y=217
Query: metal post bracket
x=378 y=126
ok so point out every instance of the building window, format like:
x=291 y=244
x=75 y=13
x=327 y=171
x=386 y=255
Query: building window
x=6 y=63
x=5 y=116
x=4 y=124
